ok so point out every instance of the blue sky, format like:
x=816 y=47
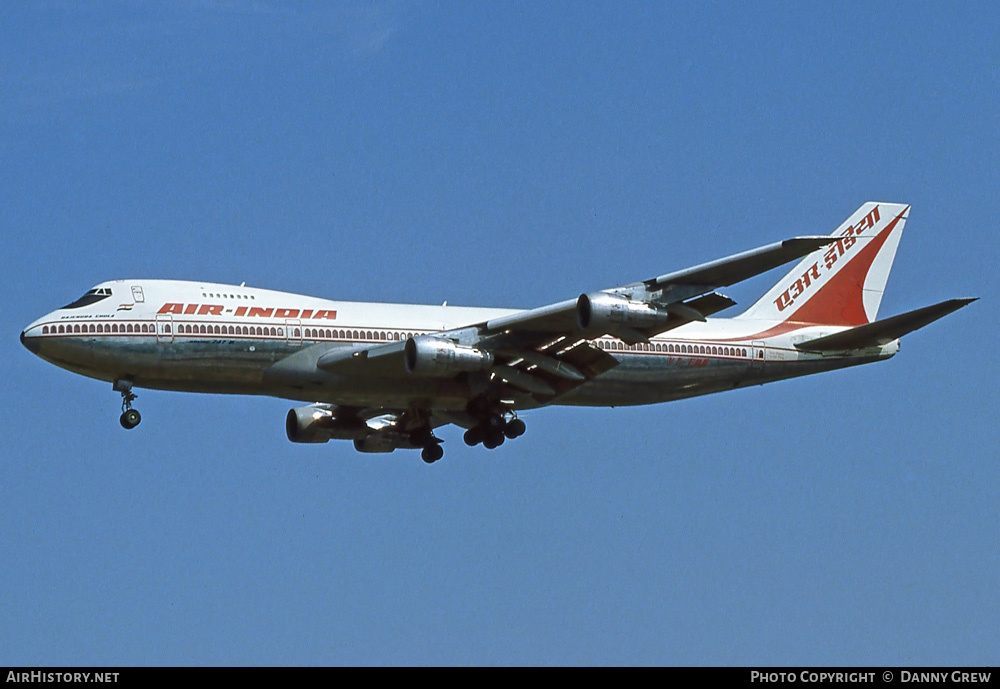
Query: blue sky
x=500 y=154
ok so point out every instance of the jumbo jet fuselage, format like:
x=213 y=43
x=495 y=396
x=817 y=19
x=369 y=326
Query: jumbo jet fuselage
x=212 y=338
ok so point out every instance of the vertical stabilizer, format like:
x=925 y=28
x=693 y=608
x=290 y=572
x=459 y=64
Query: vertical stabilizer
x=843 y=283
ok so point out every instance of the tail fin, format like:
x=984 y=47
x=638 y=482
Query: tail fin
x=840 y=284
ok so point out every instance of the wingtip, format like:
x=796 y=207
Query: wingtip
x=811 y=239
x=953 y=305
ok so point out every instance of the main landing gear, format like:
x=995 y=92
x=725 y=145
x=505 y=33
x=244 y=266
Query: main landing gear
x=130 y=417
x=493 y=430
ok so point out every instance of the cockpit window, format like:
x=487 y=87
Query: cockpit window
x=91 y=297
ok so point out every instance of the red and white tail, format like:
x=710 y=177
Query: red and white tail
x=841 y=284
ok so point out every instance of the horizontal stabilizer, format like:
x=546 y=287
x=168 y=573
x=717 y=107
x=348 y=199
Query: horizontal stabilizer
x=884 y=331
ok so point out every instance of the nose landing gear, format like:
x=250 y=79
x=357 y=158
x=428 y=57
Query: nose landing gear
x=130 y=417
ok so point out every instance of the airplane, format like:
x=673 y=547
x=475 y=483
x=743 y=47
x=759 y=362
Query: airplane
x=388 y=376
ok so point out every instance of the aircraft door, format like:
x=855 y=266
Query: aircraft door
x=758 y=354
x=164 y=327
x=293 y=331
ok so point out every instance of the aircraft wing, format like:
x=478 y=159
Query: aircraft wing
x=541 y=370
x=544 y=353
x=671 y=293
x=743 y=266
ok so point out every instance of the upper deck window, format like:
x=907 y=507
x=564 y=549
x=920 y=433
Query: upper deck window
x=91 y=297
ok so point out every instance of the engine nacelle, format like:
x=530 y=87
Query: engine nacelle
x=606 y=313
x=433 y=356
x=319 y=423
x=385 y=441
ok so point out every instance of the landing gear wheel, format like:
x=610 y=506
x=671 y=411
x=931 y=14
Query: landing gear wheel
x=130 y=418
x=432 y=453
x=493 y=440
x=514 y=429
x=473 y=436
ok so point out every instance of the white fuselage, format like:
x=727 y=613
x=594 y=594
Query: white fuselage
x=203 y=337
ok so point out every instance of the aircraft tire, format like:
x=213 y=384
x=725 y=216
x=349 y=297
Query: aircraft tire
x=473 y=436
x=514 y=429
x=130 y=418
x=432 y=453
x=493 y=440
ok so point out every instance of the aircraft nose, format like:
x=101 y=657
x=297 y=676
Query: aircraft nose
x=30 y=343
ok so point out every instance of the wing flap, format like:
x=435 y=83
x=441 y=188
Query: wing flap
x=884 y=331
x=556 y=367
x=525 y=381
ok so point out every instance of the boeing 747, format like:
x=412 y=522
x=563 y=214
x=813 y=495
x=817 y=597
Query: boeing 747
x=388 y=376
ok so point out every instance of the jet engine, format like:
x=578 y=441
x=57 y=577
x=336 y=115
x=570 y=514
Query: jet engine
x=318 y=423
x=434 y=356
x=608 y=313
